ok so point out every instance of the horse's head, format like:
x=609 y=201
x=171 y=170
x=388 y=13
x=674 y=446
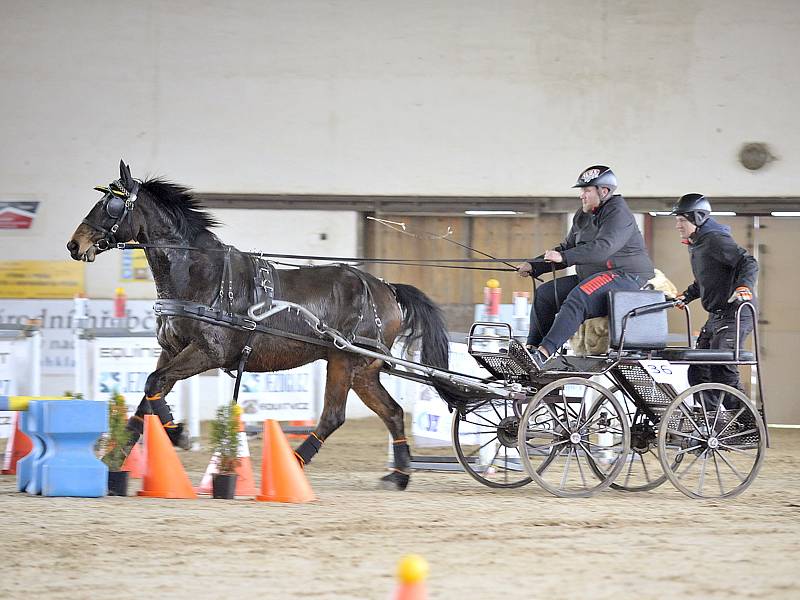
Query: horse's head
x=110 y=221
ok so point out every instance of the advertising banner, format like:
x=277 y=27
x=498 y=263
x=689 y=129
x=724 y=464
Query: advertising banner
x=15 y=375
x=292 y=395
x=41 y=278
x=17 y=215
x=432 y=421
x=56 y=319
x=122 y=364
x=135 y=266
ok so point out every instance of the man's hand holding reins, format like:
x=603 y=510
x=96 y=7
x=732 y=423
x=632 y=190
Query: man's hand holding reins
x=553 y=256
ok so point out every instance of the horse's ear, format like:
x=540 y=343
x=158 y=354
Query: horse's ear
x=125 y=175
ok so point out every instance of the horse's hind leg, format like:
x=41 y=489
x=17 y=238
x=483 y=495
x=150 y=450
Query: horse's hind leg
x=337 y=384
x=367 y=384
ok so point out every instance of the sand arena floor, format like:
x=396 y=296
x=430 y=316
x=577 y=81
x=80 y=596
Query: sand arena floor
x=480 y=543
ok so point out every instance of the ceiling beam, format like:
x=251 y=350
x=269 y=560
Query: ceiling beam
x=431 y=205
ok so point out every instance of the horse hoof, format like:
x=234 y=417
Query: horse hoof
x=395 y=481
x=179 y=437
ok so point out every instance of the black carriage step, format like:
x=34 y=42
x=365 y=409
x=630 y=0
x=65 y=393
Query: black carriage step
x=436 y=463
x=252 y=429
x=704 y=355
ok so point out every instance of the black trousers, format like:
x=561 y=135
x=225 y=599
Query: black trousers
x=578 y=300
x=719 y=333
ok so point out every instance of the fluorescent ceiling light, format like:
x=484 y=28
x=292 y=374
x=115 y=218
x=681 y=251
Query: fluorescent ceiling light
x=659 y=214
x=490 y=212
x=723 y=213
x=785 y=214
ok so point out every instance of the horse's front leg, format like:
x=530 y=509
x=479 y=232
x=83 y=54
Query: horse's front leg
x=169 y=370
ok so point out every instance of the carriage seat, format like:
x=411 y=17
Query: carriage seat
x=704 y=355
x=642 y=332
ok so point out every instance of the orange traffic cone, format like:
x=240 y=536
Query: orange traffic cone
x=135 y=463
x=303 y=423
x=282 y=478
x=17 y=446
x=245 y=482
x=164 y=476
x=412 y=571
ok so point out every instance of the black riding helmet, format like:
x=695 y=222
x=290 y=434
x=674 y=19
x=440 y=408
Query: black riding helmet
x=598 y=176
x=695 y=208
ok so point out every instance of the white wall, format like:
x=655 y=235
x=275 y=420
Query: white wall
x=446 y=97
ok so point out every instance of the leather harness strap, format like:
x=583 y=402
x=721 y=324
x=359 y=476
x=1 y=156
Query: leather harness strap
x=266 y=287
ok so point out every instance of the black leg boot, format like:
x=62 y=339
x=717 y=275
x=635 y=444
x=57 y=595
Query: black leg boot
x=398 y=478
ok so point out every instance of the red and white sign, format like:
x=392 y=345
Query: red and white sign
x=17 y=215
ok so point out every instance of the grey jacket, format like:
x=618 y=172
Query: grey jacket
x=606 y=240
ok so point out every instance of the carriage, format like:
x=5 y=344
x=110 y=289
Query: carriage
x=586 y=423
x=619 y=420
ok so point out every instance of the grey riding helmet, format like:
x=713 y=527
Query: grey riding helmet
x=695 y=208
x=599 y=176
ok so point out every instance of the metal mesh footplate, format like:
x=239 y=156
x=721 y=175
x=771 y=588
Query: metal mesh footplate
x=646 y=390
x=514 y=364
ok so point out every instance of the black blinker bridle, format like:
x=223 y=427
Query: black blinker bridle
x=118 y=202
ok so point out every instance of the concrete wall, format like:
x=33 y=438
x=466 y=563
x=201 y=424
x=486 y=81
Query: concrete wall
x=447 y=97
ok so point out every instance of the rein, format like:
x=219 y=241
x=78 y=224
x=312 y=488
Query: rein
x=423 y=262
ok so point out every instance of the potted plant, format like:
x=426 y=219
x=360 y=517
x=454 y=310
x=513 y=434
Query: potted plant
x=225 y=444
x=115 y=445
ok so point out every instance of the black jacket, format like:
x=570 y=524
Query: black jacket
x=606 y=240
x=719 y=265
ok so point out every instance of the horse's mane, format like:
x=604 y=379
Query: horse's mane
x=176 y=200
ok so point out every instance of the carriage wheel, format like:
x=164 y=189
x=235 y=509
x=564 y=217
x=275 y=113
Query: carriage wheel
x=712 y=441
x=642 y=471
x=570 y=437
x=485 y=441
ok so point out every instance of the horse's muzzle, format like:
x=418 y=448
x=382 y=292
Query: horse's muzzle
x=74 y=249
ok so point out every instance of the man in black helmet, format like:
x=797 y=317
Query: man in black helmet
x=724 y=276
x=606 y=248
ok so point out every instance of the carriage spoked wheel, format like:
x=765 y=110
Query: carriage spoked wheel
x=485 y=441
x=642 y=471
x=712 y=441
x=574 y=437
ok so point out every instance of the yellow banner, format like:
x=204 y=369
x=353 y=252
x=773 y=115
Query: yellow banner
x=41 y=278
x=135 y=266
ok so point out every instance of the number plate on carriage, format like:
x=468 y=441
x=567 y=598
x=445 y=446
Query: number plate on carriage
x=660 y=370
x=574 y=391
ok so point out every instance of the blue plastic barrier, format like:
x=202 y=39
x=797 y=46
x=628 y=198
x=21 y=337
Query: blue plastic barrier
x=62 y=462
x=26 y=466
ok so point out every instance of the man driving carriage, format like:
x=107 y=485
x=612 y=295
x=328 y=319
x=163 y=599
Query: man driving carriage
x=724 y=276
x=606 y=248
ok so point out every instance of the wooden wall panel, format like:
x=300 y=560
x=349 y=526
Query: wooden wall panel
x=502 y=237
x=420 y=241
x=513 y=238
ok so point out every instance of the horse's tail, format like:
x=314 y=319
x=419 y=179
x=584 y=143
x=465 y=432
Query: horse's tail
x=423 y=321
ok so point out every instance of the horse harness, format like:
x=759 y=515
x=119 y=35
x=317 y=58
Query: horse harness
x=118 y=202
x=266 y=288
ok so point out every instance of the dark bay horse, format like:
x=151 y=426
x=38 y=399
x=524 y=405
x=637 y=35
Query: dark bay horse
x=187 y=261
